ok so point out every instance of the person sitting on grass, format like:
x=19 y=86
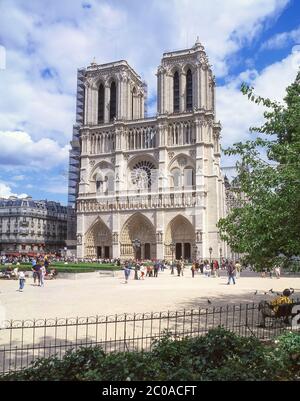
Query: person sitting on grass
x=269 y=309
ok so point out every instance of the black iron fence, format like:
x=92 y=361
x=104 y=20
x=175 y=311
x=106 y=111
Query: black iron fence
x=22 y=342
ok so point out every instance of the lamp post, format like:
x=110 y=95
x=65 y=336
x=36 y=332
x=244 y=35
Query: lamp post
x=172 y=246
x=220 y=257
x=136 y=243
x=195 y=251
x=210 y=252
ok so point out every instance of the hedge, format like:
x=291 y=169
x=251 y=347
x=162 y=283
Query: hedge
x=219 y=355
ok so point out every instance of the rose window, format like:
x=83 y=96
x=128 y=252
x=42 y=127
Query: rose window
x=141 y=174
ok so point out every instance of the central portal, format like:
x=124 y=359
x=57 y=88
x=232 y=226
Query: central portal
x=180 y=232
x=138 y=227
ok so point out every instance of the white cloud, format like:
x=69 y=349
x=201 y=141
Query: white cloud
x=5 y=192
x=281 y=40
x=18 y=148
x=64 y=36
x=36 y=114
x=237 y=113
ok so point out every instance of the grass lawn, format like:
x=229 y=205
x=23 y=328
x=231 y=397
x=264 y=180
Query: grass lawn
x=71 y=267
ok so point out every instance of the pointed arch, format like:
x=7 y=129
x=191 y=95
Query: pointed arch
x=138 y=227
x=189 y=90
x=180 y=231
x=98 y=240
x=176 y=102
x=133 y=101
x=113 y=101
x=101 y=104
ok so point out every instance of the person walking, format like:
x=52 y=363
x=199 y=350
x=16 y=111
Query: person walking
x=127 y=271
x=216 y=268
x=238 y=269
x=142 y=271
x=156 y=268
x=36 y=273
x=201 y=266
x=193 y=268
x=172 y=266
x=231 y=272
x=207 y=270
x=42 y=275
x=182 y=266
x=21 y=281
x=178 y=266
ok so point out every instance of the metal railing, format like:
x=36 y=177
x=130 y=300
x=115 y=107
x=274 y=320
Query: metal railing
x=22 y=342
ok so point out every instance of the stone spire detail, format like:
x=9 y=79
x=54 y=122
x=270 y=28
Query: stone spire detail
x=198 y=44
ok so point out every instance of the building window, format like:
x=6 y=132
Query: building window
x=176 y=176
x=101 y=104
x=113 y=101
x=176 y=92
x=132 y=102
x=189 y=90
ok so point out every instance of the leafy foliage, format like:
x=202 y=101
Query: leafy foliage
x=220 y=355
x=267 y=224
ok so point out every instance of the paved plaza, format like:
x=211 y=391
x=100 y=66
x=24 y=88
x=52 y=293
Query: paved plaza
x=90 y=294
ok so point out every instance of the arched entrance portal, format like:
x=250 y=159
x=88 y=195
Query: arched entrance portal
x=181 y=233
x=139 y=228
x=98 y=241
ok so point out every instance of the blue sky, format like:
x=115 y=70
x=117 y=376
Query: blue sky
x=45 y=42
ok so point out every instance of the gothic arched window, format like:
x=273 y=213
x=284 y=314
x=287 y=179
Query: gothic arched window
x=101 y=104
x=176 y=92
x=189 y=177
x=132 y=102
x=113 y=101
x=176 y=178
x=189 y=90
x=110 y=182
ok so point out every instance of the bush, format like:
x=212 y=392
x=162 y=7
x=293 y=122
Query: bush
x=219 y=355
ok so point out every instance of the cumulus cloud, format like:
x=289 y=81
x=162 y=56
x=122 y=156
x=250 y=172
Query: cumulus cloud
x=62 y=36
x=6 y=192
x=18 y=149
x=47 y=41
x=237 y=113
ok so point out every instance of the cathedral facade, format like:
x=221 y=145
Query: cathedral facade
x=150 y=188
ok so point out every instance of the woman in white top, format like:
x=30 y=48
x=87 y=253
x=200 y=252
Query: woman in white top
x=43 y=274
x=207 y=270
x=21 y=281
x=277 y=271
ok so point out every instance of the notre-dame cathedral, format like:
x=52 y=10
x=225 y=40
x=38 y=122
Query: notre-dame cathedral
x=149 y=187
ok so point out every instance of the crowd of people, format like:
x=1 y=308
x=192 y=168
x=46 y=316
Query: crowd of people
x=203 y=267
x=6 y=259
x=40 y=271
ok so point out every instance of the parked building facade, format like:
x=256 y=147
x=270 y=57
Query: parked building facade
x=28 y=226
x=150 y=187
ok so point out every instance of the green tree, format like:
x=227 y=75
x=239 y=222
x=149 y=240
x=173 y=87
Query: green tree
x=267 y=223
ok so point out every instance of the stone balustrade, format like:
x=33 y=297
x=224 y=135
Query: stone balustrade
x=92 y=203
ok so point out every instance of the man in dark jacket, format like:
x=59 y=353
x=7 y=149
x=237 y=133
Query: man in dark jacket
x=231 y=272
